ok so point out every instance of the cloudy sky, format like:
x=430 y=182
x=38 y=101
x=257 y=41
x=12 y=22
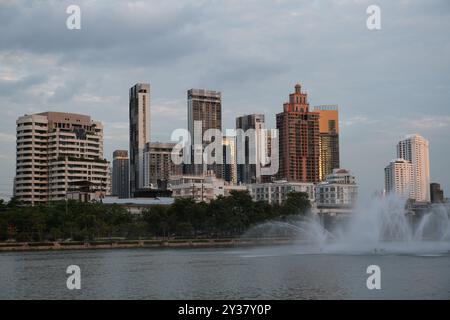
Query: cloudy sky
x=387 y=83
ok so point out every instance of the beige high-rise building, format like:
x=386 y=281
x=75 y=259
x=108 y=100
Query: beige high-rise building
x=415 y=149
x=139 y=113
x=398 y=178
x=204 y=113
x=56 y=153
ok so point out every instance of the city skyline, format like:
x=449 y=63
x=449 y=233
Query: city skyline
x=381 y=96
x=407 y=175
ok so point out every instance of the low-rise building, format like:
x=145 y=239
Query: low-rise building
x=277 y=191
x=202 y=188
x=138 y=205
x=339 y=191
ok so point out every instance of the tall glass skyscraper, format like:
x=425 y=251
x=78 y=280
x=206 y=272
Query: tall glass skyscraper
x=329 y=139
x=139 y=133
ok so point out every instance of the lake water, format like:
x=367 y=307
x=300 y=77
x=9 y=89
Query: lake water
x=279 y=272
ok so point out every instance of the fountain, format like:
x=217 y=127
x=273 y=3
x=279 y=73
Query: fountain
x=382 y=226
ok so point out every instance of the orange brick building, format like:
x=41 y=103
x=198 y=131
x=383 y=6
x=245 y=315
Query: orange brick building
x=299 y=139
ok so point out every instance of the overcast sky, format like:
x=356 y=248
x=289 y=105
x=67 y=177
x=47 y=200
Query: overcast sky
x=387 y=83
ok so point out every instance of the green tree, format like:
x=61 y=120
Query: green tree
x=296 y=203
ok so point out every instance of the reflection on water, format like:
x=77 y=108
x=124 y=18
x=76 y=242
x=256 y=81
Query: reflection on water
x=235 y=273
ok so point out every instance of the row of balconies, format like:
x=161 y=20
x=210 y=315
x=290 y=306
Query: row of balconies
x=32 y=161
x=75 y=149
x=23 y=172
x=31 y=151
x=30 y=192
x=21 y=188
x=27 y=136
x=31 y=170
x=73 y=153
x=77 y=176
x=63 y=181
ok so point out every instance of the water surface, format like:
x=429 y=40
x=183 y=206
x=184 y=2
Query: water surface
x=279 y=272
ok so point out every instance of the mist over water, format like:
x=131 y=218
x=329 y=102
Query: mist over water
x=380 y=226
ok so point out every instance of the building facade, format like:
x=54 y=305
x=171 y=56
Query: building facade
x=55 y=152
x=202 y=188
x=277 y=191
x=139 y=117
x=338 y=191
x=252 y=147
x=436 y=193
x=121 y=174
x=229 y=160
x=138 y=205
x=415 y=149
x=398 y=178
x=159 y=165
x=204 y=113
x=299 y=138
x=329 y=139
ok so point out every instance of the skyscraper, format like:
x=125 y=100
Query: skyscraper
x=250 y=171
x=158 y=165
x=57 y=151
x=436 y=193
x=329 y=139
x=139 y=133
x=121 y=174
x=229 y=159
x=398 y=178
x=204 y=113
x=299 y=138
x=415 y=149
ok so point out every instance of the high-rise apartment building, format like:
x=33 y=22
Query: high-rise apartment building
x=398 y=178
x=415 y=149
x=56 y=152
x=436 y=193
x=159 y=165
x=229 y=159
x=329 y=139
x=121 y=174
x=204 y=113
x=299 y=137
x=249 y=147
x=139 y=133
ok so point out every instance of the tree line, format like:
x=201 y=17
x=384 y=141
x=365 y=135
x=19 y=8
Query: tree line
x=223 y=217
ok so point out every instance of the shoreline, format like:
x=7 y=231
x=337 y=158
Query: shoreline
x=146 y=244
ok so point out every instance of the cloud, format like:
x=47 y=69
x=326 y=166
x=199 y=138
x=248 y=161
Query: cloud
x=387 y=83
x=428 y=123
x=7 y=137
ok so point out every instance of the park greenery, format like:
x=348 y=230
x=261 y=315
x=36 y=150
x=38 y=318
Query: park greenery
x=223 y=217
